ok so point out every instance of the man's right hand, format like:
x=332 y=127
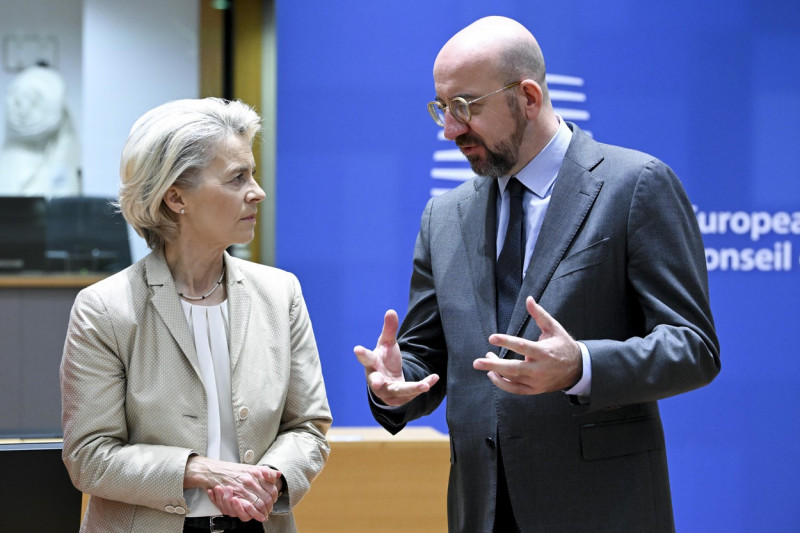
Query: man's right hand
x=384 y=367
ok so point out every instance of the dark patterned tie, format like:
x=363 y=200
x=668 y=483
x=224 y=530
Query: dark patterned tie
x=509 y=263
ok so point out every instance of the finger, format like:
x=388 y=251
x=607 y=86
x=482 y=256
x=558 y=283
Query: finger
x=236 y=506
x=396 y=393
x=271 y=476
x=270 y=505
x=268 y=479
x=273 y=495
x=507 y=368
x=365 y=357
x=430 y=381
x=223 y=495
x=259 y=496
x=381 y=385
x=377 y=381
x=405 y=389
x=260 y=508
x=390 y=326
x=546 y=323
x=227 y=503
x=265 y=492
x=244 y=507
x=507 y=385
x=523 y=347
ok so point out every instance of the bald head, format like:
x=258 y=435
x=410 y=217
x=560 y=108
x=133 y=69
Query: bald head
x=500 y=45
x=487 y=57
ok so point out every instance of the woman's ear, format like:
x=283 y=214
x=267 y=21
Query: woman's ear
x=174 y=200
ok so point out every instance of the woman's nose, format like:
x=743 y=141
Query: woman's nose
x=256 y=193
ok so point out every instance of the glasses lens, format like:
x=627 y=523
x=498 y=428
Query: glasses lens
x=437 y=112
x=460 y=109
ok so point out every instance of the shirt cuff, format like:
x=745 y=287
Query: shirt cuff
x=583 y=387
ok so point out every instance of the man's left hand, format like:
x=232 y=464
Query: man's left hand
x=550 y=364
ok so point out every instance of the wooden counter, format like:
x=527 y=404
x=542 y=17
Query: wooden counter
x=375 y=483
x=49 y=281
x=378 y=483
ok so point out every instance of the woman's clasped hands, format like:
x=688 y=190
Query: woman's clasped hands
x=247 y=492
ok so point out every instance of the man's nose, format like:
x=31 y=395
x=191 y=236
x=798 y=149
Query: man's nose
x=452 y=127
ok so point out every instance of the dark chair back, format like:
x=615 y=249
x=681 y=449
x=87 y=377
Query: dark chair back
x=85 y=233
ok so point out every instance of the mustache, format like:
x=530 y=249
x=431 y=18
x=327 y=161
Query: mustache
x=468 y=139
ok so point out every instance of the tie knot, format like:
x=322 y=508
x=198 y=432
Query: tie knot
x=515 y=188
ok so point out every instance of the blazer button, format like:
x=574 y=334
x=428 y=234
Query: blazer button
x=180 y=510
x=169 y=509
x=249 y=455
x=490 y=442
x=244 y=412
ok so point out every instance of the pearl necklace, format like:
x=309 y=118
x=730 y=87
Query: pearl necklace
x=209 y=293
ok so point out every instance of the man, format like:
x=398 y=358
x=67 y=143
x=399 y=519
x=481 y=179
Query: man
x=604 y=309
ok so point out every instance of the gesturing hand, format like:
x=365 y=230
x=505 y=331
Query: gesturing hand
x=383 y=367
x=550 y=364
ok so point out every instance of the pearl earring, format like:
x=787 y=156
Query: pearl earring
x=183 y=211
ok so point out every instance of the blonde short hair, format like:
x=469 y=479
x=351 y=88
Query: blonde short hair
x=168 y=146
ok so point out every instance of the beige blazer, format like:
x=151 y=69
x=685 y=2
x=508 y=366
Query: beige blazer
x=134 y=405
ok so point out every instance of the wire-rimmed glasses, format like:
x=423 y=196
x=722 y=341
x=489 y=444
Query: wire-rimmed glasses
x=459 y=107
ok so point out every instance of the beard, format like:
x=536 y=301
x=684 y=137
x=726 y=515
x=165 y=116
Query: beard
x=500 y=158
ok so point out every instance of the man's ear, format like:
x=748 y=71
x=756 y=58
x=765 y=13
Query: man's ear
x=534 y=98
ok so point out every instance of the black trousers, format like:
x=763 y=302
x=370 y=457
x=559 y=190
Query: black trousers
x=251 y=526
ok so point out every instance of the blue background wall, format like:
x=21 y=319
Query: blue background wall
x=712 y=87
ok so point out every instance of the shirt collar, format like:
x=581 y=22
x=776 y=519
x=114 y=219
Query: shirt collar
x=539 y=175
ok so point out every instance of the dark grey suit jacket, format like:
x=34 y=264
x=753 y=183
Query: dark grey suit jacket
x=620 y=263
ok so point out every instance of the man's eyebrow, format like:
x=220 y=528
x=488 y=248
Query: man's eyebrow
x=465 y=96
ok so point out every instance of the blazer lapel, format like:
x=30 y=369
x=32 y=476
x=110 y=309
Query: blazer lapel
x=238 y=307
x=168 y=305
x=477 y=216
x=574 y=192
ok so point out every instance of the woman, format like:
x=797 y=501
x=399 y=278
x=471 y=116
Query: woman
x=192 y=392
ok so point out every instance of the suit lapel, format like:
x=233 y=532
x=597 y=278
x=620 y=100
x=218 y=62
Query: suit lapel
x=239 y=309
x=168 y=305
x=574 y=192
x=477 y=216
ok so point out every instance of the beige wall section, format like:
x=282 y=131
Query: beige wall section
x=211 y=57
x=247 y=47
x=269 y=111
x=254 y=73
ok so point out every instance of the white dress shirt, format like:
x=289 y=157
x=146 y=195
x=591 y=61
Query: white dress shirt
x=539 y=177
x=209 y=326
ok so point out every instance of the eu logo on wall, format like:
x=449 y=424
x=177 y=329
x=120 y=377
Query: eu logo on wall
x=450 y=167
x=767 y=235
